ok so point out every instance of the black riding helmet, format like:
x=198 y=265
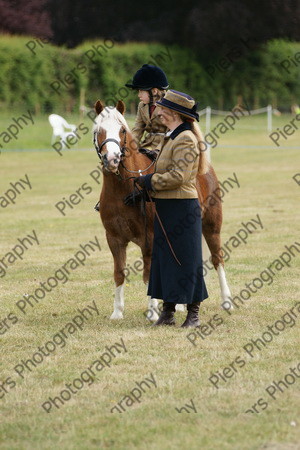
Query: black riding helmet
x=148 y=77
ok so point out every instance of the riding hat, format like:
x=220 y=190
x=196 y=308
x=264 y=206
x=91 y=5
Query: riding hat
x=148 y=77
x=181 y=103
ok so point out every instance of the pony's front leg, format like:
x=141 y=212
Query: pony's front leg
x=152 y=313
x=118 y=303
x=118 y=250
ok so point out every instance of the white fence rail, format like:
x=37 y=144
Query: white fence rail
x=208 y=111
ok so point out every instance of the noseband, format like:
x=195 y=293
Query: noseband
x=99 y=147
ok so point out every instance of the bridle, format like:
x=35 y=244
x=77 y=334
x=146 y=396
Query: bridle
x=99 y=147
x=123 y=150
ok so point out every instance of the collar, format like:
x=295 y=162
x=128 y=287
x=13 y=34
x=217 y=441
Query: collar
x=146 y=110
x=182 y=127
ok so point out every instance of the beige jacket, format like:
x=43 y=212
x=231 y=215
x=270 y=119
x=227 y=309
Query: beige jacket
x=177 y=166
x=152 y=125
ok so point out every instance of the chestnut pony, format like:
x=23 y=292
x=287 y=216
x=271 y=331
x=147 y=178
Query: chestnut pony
x=121 y=162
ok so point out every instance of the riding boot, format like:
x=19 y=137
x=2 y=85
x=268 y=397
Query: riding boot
x=167 y=315
x=192 y=318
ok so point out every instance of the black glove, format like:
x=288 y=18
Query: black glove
x=152 y=154
x=133 y=198
x=140 y=181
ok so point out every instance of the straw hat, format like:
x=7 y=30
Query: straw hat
x=181 y=103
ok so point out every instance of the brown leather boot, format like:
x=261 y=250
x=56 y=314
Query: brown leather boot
x=167 y=315
x=192 y=318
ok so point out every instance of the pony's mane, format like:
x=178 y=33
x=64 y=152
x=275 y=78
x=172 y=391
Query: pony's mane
x=109 y=114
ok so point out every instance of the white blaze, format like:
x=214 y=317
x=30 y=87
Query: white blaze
x=111 y=121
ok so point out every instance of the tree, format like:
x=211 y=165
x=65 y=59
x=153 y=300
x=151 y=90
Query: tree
x=206 y=26
x=29 y=17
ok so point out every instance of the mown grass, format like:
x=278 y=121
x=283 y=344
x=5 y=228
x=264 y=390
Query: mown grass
x=37 y=136
x=181 y=370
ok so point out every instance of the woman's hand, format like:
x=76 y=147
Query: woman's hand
x=140 y=181
x=133 y=199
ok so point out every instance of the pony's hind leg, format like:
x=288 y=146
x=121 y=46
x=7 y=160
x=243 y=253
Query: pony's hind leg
x=225 y=291
x=213 y=240
x=118 y=250
x=152 y=311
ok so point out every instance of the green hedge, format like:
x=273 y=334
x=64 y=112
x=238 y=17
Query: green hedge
x=48 y=78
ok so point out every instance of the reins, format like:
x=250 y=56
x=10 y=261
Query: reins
x=139 y=171
x=160 y=222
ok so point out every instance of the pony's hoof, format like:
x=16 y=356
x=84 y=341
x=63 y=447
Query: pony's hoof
x=227 y=305
x=152 y=316
x=116 y=315
x=180 y=307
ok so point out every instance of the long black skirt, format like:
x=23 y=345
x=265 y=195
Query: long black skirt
x=170 y=281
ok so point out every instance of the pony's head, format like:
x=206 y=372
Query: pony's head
x=110 y=134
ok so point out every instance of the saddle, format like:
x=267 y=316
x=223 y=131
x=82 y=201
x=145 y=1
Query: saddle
x=151 y=154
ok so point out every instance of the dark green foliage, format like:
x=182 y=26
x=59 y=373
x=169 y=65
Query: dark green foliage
x=53 y=78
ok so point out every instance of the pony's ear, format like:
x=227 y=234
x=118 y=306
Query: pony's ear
x=121 y=106
x=99 y=106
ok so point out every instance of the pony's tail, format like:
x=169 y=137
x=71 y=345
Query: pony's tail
x=203 y=161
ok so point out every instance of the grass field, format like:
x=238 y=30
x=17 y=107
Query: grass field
x=216 y=417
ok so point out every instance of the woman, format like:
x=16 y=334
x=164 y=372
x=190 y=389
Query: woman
x=176 y=274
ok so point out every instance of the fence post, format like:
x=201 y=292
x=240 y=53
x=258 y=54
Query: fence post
x=269 y=109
